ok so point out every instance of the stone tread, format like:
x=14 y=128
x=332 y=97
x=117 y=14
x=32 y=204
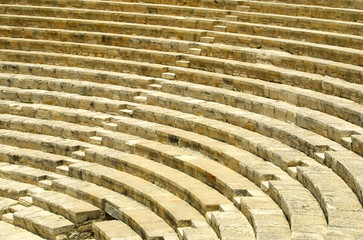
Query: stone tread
x=330 y=215
x=307 y=161
x=327 y=85
x=13 y=189
x=43 y=223
x=5 y=204
x=323 y=184
x=154 y=70
x=71 y=208
x=348 y=166
x=47 y=161
x=11 y=232
x=262 y=212
x=113 y=229
x=19 y=138
x=23 y=173
x=300 y=22
x=144 y=6
x=298 y=210
x=93 y=89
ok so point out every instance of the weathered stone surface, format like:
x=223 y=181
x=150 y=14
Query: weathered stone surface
x=43 y=223
x=114 y=229
x=11 y=232
x=183 y=119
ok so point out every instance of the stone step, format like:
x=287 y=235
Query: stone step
x=26 y=201
x=44 y=223
x=357 y=144
x=232 y=18
x=113 y=230
x=183 y=63
x=11 y=232
x=33 y=158
x=348 y=166
x=285 y=93
x=5 y=204
x=77 y=211
x=311 y=222
x=8 y=218
x=262 y=212
x=168 y=75
x=140 y=99
x=155 y=87
x=13 y=189
x=195 y=51
x=207 y=39
x=155 y=18
x=220 y=28
x=322 y=182
x=351 y=111
x=229 y=187
x=141 y=7
x=23 y=173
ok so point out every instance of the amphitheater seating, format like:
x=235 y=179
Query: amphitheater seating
x=12 y=232
x=181 y=119
x=112 y=230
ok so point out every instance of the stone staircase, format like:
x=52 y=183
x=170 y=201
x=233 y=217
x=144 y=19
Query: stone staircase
x=190 y=120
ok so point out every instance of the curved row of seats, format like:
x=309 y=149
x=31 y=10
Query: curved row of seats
x=152 y=119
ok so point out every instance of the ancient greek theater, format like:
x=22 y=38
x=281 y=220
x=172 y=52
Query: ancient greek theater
x=181 y=119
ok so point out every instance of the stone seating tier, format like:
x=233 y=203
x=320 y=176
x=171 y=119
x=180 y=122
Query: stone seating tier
x=189 y=120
